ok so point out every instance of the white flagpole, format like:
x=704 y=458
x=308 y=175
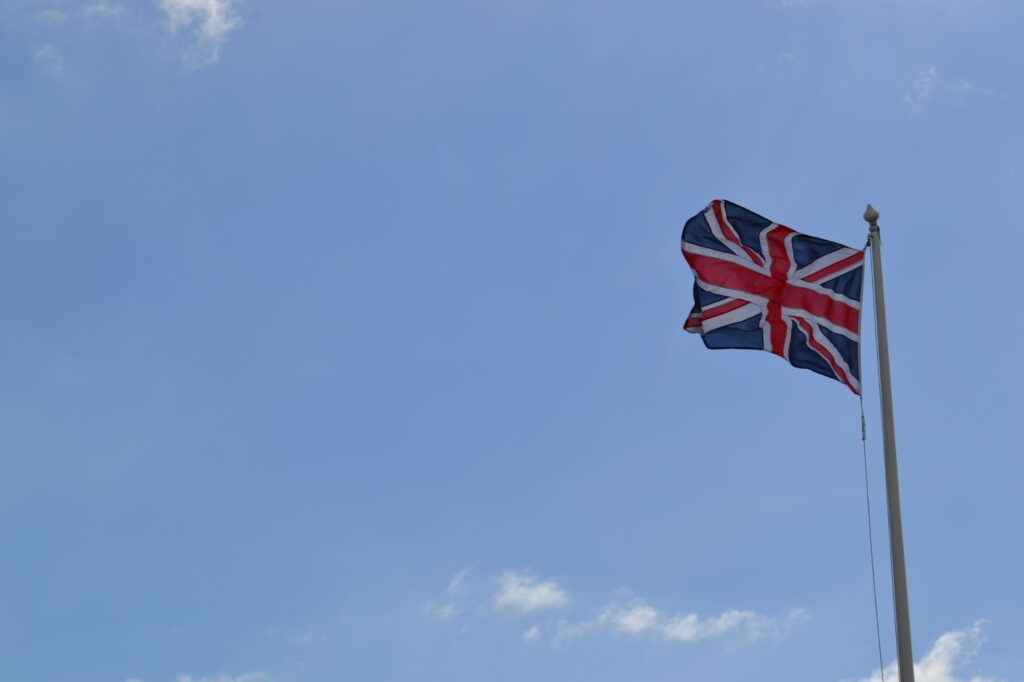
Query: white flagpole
x=901 y=603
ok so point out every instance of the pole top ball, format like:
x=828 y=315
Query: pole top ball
x=871 y=215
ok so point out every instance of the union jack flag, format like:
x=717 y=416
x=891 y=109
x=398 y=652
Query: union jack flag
x=764 y=286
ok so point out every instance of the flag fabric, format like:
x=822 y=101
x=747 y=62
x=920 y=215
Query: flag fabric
x=763 y=286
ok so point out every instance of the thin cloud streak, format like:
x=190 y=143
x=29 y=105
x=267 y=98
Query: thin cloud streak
x=50 y=58
x=103 y=9
x=457 y=580
x=639 y=619
x=247 y=677
x=51 y=16
x=931 y=84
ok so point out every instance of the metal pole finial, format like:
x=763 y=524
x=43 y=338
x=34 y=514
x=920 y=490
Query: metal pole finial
x=871 y=215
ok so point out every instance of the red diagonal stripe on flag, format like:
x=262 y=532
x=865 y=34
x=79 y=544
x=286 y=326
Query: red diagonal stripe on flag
x=740 y=279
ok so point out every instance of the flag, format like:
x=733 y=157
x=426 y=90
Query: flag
x=764 y=286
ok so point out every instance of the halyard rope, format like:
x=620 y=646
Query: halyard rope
x=871 y=537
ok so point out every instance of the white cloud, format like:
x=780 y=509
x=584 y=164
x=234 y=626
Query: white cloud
x=949 y=654
x=211 y=21
x=525 y=593
x=640 y=619
x=691 y=628
x=50 y=58
x=931 y=83
x=522 y=592
x=247 y=677
x=633 y=620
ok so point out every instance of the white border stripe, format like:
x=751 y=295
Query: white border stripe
x=836 y=355
x=827 y=324
x=825 y=291
x=788 y=244
x=723 y=256
x=718 y=304
x=738 y=315
x=732 y=293
x=716 y=230
x=825 y=261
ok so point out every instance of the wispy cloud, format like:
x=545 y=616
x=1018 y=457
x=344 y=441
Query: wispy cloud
x=205 y=25
x=639 y=619
x=532 y=634
x=306 y=637
x=247 y=677
x=51 y=16
x=444 y=612
x=455 y=584
x=103 y=9
x=209 y=21
x=456 y=587
x=931 y=83
x=950 y=653
x=74 y=15
x=50 y=58
x=299 y=636
x=524 y=593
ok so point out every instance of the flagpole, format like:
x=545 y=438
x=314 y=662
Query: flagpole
x=901 y=602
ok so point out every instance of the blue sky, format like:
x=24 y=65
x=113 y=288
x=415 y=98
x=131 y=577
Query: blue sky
x=344 y=340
